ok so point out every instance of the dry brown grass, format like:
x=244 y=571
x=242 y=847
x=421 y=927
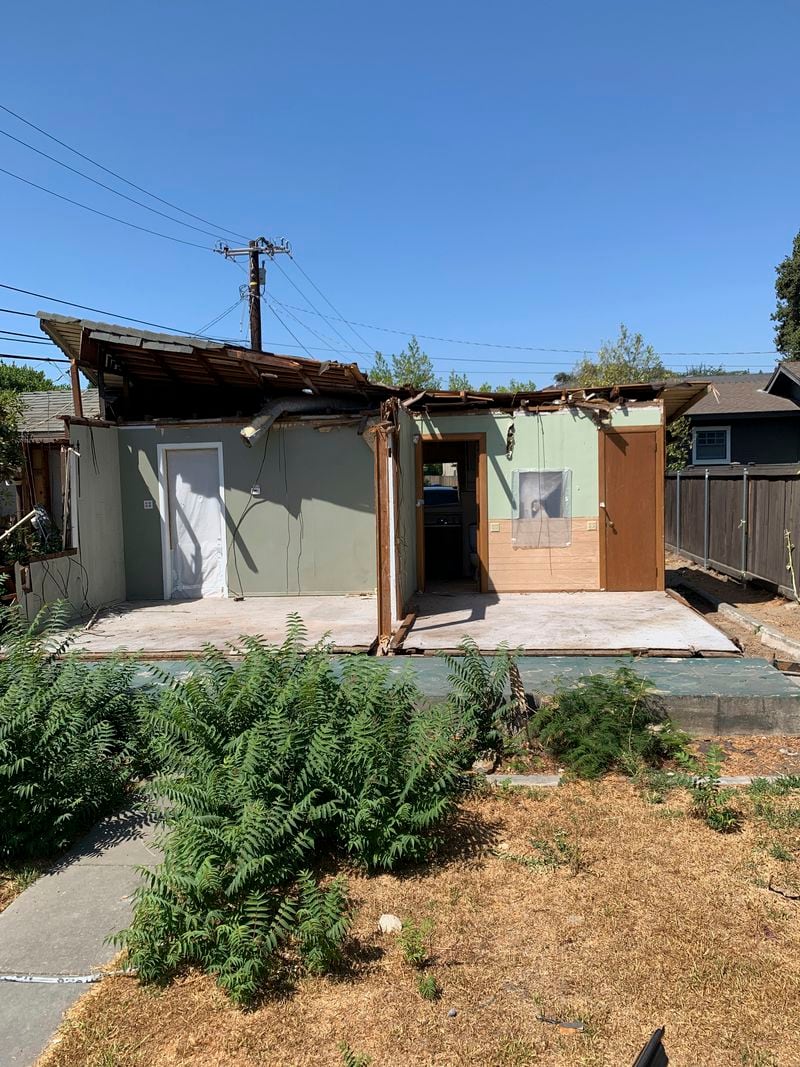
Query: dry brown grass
x=669 y=923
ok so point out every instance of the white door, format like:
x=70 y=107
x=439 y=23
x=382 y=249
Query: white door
x=195 y=549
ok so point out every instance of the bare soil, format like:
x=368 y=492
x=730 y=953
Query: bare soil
x=769 y=608
x=651 y=919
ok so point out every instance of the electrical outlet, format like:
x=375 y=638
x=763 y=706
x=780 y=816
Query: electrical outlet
x=255 y=490
x=148 y=505
x=494 y=527
x=591 y=524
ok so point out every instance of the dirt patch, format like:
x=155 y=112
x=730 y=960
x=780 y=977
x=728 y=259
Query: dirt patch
x=754 y=756
x=665 y=922
x=775 y=611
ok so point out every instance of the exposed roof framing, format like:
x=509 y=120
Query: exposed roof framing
x=156 y=358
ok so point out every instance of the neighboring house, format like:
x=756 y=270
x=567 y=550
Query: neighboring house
x=215 y=471
x=45 y=443
x=748 y=418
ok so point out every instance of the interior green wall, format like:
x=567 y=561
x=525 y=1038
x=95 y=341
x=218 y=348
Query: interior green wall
x=637 y=415
x=555 y=440
x=311 y=530
x=551 y=441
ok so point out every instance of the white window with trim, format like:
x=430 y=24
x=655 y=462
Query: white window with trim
x=711 y=444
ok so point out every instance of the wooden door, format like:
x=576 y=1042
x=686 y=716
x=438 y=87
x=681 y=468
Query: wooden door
x=632 y=509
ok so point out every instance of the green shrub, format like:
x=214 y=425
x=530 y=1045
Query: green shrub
x=70 y=735
x=479 y=696
x=415 y=942
x=428 y=988
x=268 y=764
x=601 y=722
x=351 y=1058
x=711 y=802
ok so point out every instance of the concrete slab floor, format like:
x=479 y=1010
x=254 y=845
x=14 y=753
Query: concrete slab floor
x=174 y=627
x=60 y=925
x=604 y=623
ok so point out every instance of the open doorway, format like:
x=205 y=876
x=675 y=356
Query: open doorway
x=451 y=474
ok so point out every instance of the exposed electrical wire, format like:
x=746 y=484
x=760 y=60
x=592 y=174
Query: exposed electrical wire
x=104 y=214
x=119 y=177
x=338 y=351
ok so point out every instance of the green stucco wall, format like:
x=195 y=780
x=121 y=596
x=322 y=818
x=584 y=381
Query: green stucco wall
x=311 y=530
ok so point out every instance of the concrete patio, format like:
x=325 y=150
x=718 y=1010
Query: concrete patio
x=174 y=628
x=654 y=623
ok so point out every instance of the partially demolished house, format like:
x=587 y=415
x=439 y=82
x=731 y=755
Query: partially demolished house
x=215 y=473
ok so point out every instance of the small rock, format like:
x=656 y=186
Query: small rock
x=452 y=1013
x=503 y=847
x=574 y=920
x=389 y=924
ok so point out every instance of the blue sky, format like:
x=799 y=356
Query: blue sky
x=517 y=173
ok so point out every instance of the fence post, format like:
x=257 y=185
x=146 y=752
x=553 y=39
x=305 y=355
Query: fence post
x=705 y=524
x=745 y=510
x=678 y=512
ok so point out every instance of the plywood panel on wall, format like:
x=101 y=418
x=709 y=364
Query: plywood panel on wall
x=542 y=570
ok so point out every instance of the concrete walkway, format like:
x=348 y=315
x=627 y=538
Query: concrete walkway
x=59 y=926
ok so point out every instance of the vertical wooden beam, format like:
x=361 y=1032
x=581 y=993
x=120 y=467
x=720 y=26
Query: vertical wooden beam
x=419 y=511
x=483 y=517
x=383 y=535
x=602 y=521
x=77 y=400
x=661 y=475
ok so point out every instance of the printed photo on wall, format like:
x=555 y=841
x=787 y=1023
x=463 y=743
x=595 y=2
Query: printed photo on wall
x=542 y=509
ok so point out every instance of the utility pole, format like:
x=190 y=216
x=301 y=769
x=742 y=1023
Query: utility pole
x=254 y=251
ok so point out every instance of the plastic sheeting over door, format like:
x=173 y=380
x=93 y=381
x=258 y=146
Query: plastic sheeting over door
x=196 y=531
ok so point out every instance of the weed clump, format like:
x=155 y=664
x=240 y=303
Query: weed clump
x=603 y=722
x=415 y=942
x=710 y=801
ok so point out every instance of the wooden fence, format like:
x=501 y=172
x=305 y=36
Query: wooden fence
x=736 y=519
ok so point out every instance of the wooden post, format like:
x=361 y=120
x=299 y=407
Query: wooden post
x=254 y=289
x=77 y=400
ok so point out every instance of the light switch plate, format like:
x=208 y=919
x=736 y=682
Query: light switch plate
x=255 y=490
x=494 y=527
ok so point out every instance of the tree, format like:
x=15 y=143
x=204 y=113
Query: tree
x=10 y=412
x=787 y=314
x=628 y=359
x=410 y=367
x=23 y=379
x=460 y=382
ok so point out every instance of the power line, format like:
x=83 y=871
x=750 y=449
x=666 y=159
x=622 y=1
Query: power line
x=11 y=311
x=119 y=177
x=328 y=302
x=316 y=311
x=305 y=326
x=109 y=188
x=585 y=351
x=99 y=311
x=104 y=214
x=280 y=320
x=32 y=359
